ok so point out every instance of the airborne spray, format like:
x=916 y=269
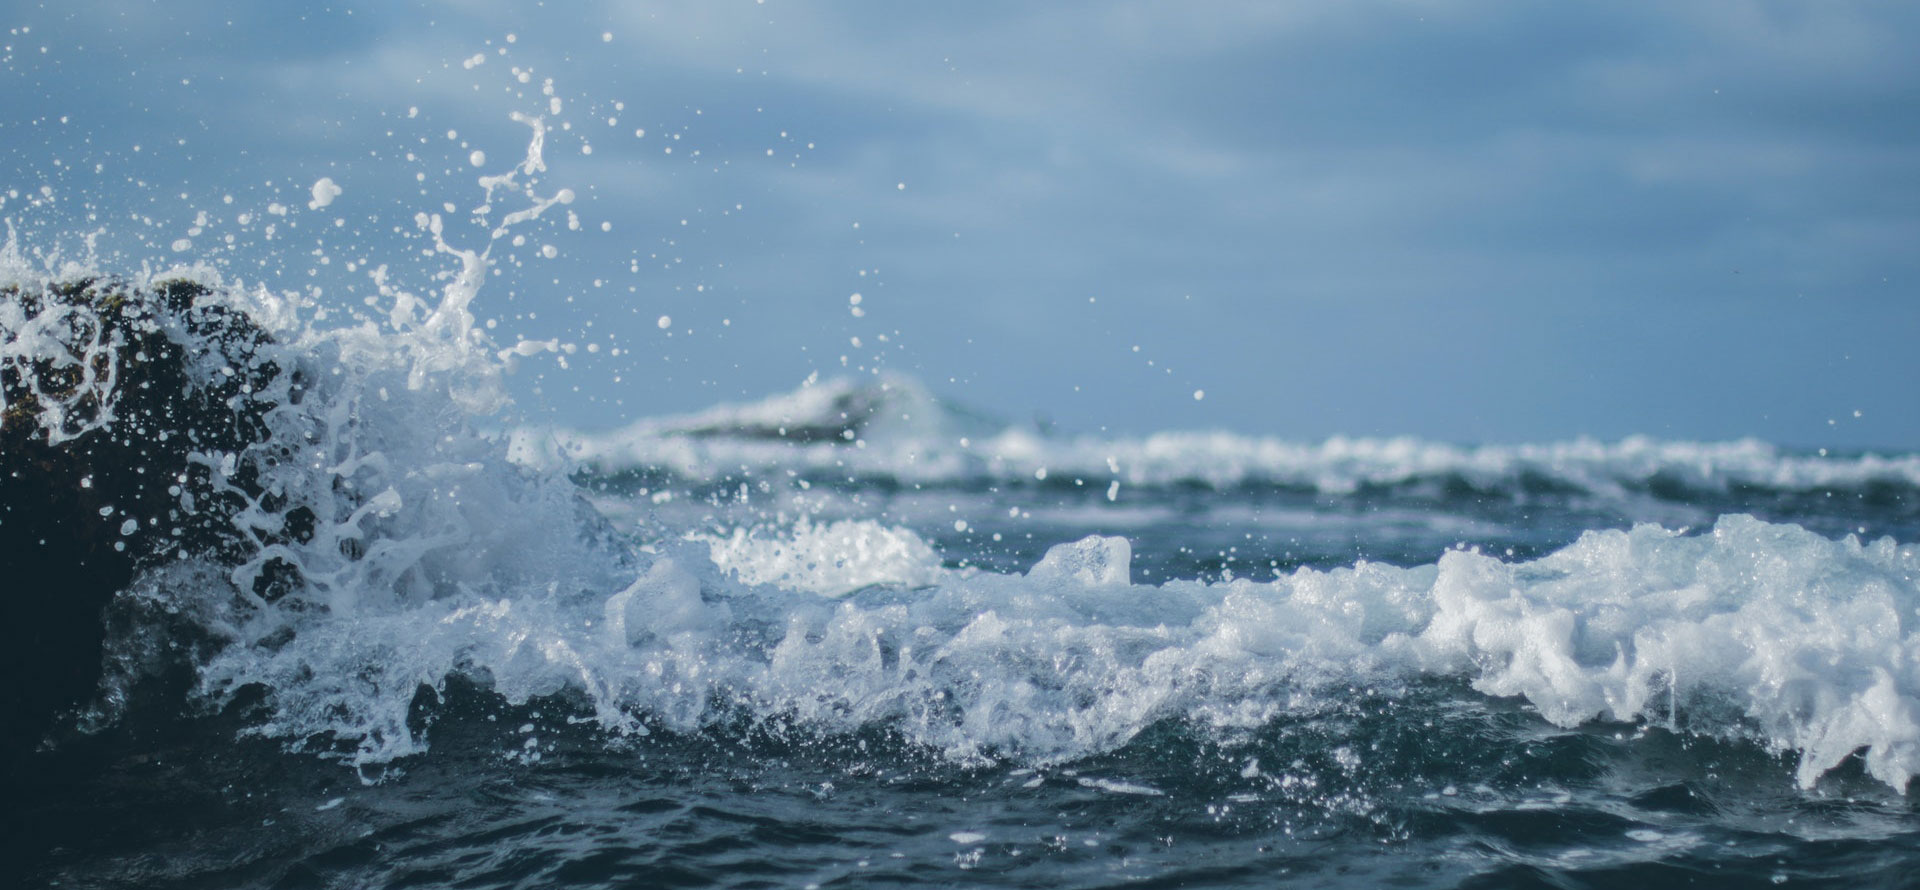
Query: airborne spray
x=359 y=622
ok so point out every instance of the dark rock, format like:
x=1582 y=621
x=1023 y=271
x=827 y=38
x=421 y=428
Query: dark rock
x=104 y=416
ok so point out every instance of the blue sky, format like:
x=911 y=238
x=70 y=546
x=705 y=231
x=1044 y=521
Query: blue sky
x=1482 y=221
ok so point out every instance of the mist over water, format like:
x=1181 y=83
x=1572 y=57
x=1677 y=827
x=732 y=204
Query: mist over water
x=861 y=632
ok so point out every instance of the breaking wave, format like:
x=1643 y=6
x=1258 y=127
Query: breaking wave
x=1749 y=630
x=408 y=550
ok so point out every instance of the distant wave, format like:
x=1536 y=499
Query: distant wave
x=891 y=429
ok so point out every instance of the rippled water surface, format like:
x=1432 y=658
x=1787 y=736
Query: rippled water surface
x=1375 y=777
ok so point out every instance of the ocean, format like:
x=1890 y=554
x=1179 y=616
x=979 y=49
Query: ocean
x=858 y=635
x=901 y=649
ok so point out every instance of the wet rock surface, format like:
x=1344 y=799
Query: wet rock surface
x=123 y=407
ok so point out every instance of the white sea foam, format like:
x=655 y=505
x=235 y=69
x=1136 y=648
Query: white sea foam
x=1751 y=630
x=831 y=559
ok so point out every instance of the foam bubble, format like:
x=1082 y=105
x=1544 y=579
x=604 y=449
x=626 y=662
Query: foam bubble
x=324 y=191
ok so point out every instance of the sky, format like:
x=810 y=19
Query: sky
x=1480 y=221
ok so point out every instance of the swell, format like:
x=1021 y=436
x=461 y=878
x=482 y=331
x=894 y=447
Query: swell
x=892 y=432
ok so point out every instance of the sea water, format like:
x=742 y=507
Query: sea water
x=901 y=658
x=857 y=635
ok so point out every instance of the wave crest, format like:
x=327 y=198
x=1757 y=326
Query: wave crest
x=1750 y=630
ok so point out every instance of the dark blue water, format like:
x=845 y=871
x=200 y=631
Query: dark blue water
x=1369 y=780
